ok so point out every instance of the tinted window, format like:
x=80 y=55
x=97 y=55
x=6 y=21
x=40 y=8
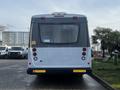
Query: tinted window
x=59 y=33
x=2 y=48
x=17 y=48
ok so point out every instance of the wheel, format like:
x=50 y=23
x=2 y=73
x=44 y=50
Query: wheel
x=5 y=57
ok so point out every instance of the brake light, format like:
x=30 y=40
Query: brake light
x=34 y=49
x=84 y=49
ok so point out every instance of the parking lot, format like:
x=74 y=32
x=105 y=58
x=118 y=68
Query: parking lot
x=13 y=76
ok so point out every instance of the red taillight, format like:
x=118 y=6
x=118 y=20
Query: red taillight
x=34 y=54
x=34 y=49
x=84 y=49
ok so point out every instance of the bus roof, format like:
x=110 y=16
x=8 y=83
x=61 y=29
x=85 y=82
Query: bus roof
x=57 y=16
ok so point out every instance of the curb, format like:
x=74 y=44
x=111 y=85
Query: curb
x=102 y=82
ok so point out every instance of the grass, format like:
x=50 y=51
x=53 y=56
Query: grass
x=108 y=72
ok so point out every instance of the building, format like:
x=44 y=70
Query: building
x=0 y=38
x=14 y=38
x=0 y=42
x=1 y=30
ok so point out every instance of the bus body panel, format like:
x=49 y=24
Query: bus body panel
x=60 y=58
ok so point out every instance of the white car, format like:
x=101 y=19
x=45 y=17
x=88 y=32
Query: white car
x=17 y=52
x=3 y=51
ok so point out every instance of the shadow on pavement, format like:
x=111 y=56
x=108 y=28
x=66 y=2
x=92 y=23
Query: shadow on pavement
x=58 y=82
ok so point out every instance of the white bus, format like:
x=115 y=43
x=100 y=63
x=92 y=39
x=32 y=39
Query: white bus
x=59 y=43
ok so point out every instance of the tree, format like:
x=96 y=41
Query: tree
x=101 y=34
x=114 y=41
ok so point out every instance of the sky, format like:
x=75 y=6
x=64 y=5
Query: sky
x=16 y=14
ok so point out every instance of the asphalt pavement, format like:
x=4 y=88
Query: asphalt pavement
x=13 y=76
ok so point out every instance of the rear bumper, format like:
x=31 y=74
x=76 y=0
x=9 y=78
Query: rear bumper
x=3 y=55
x=59 y=71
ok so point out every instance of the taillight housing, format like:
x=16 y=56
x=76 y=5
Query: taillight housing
x=34 y=54
x=84 y=53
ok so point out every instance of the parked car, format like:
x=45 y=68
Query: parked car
x=3 y=51
x=17 y=52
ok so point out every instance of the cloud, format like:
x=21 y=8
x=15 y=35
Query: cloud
x=99 y=12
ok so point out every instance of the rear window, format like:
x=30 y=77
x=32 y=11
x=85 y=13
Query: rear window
x=59 y=33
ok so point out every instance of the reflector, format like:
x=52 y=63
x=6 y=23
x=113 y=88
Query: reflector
x=78 y=70
x=39 y=71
